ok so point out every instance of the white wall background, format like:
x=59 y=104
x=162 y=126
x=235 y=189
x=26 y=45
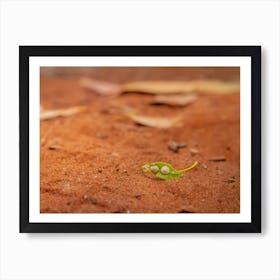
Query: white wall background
x=131 y=256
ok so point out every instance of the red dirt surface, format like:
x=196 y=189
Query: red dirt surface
x=91 y=162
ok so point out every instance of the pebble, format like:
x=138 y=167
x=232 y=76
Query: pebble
x=113 y=156
x=184 y=210
x=54 y=147
x=138 y=195
x=194 y=151
x=101 y=135
x=66 y=186
x=175 y=147
x=90 y=198
x=231 y=180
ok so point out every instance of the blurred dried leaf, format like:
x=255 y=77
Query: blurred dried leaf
x=101 y=87
x=186 y=87
x=162 y=87
x=175 y=100
x=50 y=114
x=157 y=122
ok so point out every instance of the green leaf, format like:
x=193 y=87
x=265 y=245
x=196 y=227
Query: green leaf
x=165 y=171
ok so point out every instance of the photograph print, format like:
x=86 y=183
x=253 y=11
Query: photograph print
x=140 y=139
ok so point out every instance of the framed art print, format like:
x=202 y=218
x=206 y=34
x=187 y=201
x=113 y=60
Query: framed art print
x=140 y=138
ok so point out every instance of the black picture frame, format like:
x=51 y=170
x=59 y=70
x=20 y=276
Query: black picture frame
x=254 y=52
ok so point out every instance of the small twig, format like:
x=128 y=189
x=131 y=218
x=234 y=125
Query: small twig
x=218 y=158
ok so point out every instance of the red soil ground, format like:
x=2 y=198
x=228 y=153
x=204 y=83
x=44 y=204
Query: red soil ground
x=91 y=162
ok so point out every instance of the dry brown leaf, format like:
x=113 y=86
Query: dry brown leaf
x=50 y=114
x=157 y=122
x=101 y=87
x=174 y=100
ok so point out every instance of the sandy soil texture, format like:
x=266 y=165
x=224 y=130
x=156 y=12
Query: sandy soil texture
x=91 y=161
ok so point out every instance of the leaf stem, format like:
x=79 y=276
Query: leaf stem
x=188 y=168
